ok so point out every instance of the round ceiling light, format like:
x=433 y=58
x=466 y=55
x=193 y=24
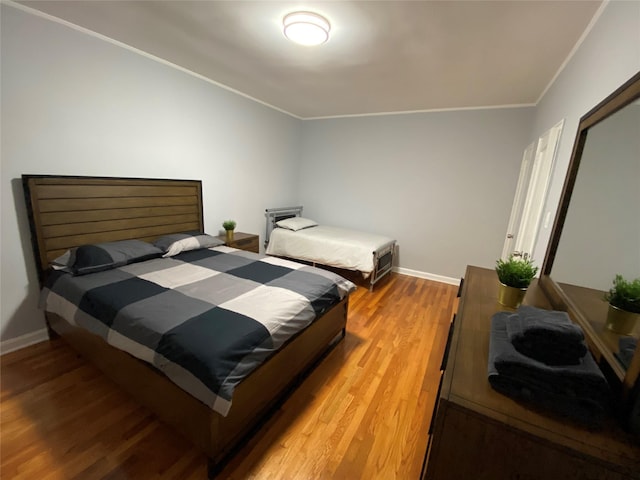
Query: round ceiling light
x=306 y=28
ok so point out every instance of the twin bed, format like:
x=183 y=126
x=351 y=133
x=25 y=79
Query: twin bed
x=208 y=337
x=290 y=235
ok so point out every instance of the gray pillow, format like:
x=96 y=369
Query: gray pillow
x=183 y=242
x=104 y=256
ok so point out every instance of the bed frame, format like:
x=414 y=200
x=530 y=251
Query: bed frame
x=66 y=212
x=383 y=258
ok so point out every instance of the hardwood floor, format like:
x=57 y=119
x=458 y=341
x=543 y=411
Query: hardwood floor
x=364 y=412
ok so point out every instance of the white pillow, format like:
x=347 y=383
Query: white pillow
x=296 y=223
x=175 y=243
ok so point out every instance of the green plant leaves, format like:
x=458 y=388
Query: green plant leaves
x=516 y=272
x=624 y=294
x=229 y=225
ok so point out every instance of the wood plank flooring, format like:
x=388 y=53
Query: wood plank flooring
x=364 y=412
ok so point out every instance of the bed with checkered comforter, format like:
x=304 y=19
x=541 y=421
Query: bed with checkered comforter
x=205 y=318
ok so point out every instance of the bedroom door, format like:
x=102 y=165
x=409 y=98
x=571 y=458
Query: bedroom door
x=524 y=239
x=518 y=202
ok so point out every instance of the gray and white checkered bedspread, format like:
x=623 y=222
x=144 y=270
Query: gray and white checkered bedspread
x=205 y=318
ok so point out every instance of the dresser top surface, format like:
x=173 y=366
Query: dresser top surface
x=467 y=386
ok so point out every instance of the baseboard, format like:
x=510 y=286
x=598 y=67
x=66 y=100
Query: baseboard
x=427 y=276
x=23 y=341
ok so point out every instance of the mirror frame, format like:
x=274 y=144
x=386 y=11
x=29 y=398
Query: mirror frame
x=623 y=96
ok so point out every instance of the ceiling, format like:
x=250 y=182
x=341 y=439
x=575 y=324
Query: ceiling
x=382 y=57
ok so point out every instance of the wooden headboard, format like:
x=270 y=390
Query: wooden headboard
x=66 y=212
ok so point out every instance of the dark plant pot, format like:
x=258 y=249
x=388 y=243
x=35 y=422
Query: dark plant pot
x=621 y=321
x=510 y=296
x=229 y=236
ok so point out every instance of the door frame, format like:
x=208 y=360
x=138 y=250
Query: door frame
x=531 y=211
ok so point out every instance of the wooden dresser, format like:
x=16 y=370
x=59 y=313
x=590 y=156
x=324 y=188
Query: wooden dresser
x=478 y=433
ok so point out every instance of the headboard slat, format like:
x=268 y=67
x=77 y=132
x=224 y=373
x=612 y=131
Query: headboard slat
x=79 y=204
x=70 y=241
x=67 y=218
x=109 y=225
x=67 y=212
x=112 y=191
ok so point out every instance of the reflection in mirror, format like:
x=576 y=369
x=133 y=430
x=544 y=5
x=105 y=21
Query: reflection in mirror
x=601 y=234
x=596 y=233
x=626 y=349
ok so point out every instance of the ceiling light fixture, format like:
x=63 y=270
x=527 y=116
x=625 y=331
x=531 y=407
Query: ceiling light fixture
x=306 y=28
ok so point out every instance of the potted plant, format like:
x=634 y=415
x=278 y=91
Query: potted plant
x=515 y=275
x=624 y=305
x=229 y=226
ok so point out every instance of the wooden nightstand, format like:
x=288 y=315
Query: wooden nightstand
x=243 y=241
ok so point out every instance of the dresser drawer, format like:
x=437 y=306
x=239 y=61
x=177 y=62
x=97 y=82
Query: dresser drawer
x=432 y=424
x=445 y=355
x=435 y=406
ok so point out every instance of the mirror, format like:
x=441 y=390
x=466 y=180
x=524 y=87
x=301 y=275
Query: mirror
x=596 y=234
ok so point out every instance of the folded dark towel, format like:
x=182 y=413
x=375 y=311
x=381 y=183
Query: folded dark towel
x=579 y=392
x=546 y=335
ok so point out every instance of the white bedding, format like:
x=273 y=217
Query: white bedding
x=337 y=247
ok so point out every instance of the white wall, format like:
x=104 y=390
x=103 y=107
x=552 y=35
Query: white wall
x=441 y=183
x=607 y=58
x=77 y=105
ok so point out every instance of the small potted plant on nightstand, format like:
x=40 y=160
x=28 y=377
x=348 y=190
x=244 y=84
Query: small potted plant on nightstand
x=624 y=305
x=515 y=275
x=229 y=226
